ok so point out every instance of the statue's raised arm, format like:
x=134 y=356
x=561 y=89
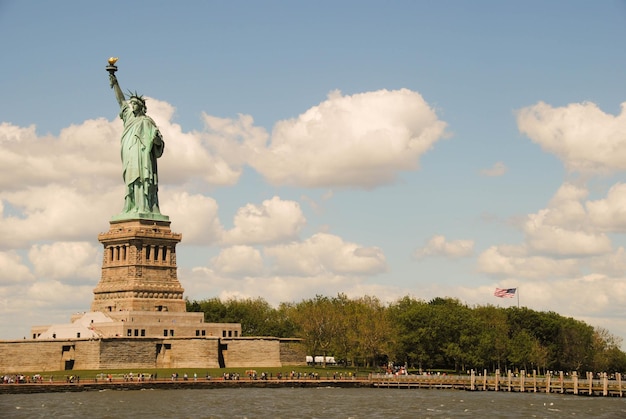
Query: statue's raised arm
x=142 y=144
x=116 y=88
x=112 y=68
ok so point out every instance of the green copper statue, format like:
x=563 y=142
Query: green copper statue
x=142 y=144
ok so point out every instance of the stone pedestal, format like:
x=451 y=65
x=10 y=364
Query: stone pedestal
x=139 y=270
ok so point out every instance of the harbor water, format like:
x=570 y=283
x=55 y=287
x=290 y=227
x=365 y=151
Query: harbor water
x=307 y=403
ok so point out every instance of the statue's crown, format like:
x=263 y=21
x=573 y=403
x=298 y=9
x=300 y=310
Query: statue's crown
x=138 y=97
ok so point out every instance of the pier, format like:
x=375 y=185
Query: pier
x=591 y=385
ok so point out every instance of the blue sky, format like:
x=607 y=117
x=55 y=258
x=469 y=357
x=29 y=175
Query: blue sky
x=423 y=148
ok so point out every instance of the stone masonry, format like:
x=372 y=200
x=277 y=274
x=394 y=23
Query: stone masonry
x=139 y=268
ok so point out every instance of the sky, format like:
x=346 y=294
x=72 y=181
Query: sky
x=382 y=148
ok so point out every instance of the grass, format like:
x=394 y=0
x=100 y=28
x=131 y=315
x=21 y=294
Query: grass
x=166 y=373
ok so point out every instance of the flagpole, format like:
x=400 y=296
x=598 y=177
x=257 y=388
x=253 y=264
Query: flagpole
x=517 y=297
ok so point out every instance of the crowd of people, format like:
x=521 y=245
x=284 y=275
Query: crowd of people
x=140 y=377
x=21 y=378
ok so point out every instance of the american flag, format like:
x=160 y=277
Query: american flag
x=505 y=292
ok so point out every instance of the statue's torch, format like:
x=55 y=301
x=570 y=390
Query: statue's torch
x=112 y=68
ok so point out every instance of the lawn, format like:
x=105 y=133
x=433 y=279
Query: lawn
x=305 y=372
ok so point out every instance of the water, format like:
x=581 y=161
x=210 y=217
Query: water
x=310 y=403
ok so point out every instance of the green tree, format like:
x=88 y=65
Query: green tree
x=373 y=330
x=214 y=310
x=413 y=343
x=316 y=323
x=574 y=345
x=494 y=339
x=607 y=353
x=521 y=351
x=256 y=316
x=346 y=344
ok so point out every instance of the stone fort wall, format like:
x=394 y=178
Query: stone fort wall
x=147 y=353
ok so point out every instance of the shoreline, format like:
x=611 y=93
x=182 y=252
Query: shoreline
x=90 y=385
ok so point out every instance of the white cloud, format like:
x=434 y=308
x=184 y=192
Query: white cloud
x=55 y=212
x=195 y=216
x=564 y=228
x=584 y=137
x=79 y=156
x=324 y=254
x=498 y=169
x=54 y=188
x=589 y=298
x=512 y=262
x=544 y=238
x=611 y=264
x=273 y=221
x=587 y=295
x=12 y=270
x=439 y=246
x=559 y=241
x=57 y=294
x=362 y=140
x=323 y=264
x=68 y=262
x=238 y=260
x=236 y=140
x=609 y=214
x=192 y=156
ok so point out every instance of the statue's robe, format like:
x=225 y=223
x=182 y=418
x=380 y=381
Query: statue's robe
x=141 y=145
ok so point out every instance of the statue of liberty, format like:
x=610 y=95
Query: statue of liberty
x=141 y=146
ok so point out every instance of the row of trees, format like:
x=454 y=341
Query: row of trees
x=439 y=334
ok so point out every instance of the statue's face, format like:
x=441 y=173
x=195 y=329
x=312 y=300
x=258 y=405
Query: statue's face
x=136 y=106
